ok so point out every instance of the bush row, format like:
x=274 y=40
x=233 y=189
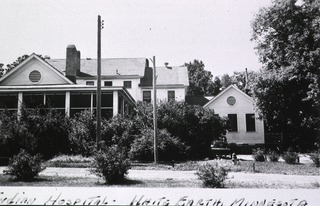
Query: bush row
x=185 y=132
x=289 y=156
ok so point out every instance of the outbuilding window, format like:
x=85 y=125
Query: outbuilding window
x=250 y=123
x=233 y=122
x=231 y=100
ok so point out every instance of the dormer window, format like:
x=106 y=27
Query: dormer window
x=35 y=76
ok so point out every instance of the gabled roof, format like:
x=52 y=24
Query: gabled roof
x=172 y=75
x=26 y=61
x=196 y=100
x=225 y=90
x=109 y=66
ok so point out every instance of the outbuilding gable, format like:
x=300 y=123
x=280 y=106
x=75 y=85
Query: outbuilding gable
x=34 y=71
x=233 y=98
x=245 y=126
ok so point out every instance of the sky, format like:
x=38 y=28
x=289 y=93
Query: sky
x=216 y=32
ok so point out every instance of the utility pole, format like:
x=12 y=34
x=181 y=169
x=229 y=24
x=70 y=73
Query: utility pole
x=155 y=126
x=100 y=26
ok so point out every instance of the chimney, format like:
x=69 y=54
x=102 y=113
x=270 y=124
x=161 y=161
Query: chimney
x=78 y=63
x=72 y=63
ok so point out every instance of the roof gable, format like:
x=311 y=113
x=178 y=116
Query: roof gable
x=34 y=71
x=229 y=90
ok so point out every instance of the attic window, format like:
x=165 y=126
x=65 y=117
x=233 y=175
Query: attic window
x=35 y=76
x=231 y=100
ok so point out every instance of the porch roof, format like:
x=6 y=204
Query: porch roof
x=64 y=88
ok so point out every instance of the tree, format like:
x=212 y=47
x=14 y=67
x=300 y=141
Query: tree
x=217 y=86
x=225 y=81
x=287 y=35
x=242 y=80
x=18 y=61
x=193 y=125
x=200 y=80
x=2 y=70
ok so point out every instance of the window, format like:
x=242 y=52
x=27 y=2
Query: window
x=35 y=76
x=31 y=100
x=250 y=123
x=231 y=100
x=9 y=101
x=147 y=96
x=108 y=83
x=127 y=84
x=171 y=96
x=89 y=82
x=233 y=122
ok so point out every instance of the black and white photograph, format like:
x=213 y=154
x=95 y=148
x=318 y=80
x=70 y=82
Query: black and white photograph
x=160 y=102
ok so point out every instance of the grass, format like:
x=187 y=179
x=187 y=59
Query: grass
x=58 y=181
x=244 y=166
x=69 y=161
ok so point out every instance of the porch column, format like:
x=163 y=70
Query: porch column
x=91 y=104
x=122 y=107
x=67 y=104
x=20 y=102
x=115 y=107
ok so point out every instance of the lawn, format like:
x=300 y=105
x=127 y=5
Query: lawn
x=76 y=164
x=243 y=166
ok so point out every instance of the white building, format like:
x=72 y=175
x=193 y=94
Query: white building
x=246 y=128
x=69 y=84
x=134 y=74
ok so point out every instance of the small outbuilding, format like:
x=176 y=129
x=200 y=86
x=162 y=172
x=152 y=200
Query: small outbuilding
x=240 y=108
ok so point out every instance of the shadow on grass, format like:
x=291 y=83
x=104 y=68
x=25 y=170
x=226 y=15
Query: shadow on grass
x=127 y=182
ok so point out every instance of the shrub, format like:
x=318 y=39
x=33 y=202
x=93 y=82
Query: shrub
x=220 y=143
x=315 y=157
x=24 y=166
x=169 y=148
x=212 y=175
x=241 y=148
x=120 y=131
x=39 y=130
x=259 y=155
x=11 y=134
x=111 y=164
x=82 y=134
x=290 y=156
x=233 y=147
x=49 y=128
x=195 y=126
x=273 y=156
